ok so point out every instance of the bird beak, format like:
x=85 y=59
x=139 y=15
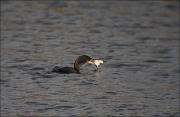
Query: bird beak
x=91 y=61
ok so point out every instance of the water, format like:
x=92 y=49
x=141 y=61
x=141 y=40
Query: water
x=138 y=41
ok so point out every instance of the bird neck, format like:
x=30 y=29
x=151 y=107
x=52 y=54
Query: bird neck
x=76 y=67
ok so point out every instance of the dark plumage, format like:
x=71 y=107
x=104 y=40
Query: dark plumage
x=80 y=61
x=65 y=70
x=83 y=59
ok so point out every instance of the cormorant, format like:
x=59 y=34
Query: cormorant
x=83 y=59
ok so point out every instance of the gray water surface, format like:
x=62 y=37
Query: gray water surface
x=138 y=41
